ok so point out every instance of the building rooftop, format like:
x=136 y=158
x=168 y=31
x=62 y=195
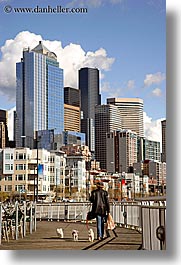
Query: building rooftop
x=40 y=48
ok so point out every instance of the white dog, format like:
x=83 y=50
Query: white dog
x=75 y=235
x=91 y=235
x=60 y=232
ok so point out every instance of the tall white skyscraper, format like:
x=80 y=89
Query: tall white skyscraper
x=131 y=110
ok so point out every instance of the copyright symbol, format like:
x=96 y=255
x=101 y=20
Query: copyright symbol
x=8 y=9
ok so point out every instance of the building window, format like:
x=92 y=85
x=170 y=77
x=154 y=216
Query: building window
x=8 y=178
x=20 y=166
x=8 y=188
x=8 y=167
x=20 y=177
x=9 y=156
x=19 y=187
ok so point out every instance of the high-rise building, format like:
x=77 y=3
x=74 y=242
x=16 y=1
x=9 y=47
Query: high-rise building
x=107 y=119
x=163 y=123
x=131 y=113
x=2 y=135
x=148 y=150
x=72 y=96
x=39 y=94
x=71 y=118
x=3 y=128
x=90 y=97
x=121 y=151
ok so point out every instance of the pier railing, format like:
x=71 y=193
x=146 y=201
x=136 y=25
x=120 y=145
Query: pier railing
x=16 y=220
x=146 y=216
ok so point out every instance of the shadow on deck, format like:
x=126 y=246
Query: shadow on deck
x=46 y=238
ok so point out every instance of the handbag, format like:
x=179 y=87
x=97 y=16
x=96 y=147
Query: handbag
x=91 y=215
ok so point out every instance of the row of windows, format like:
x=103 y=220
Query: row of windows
x=9 y=167
x=23 y=156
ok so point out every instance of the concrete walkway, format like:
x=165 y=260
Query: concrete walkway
x=46 y=238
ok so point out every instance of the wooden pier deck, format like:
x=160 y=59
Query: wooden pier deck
x=45 y=238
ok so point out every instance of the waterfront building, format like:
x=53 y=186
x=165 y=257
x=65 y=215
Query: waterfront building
x=39 y=94
x=57 y=161
x=75 y=177
x=19 y=172
x=131 y=110
x=107 y=119
x=90 y=97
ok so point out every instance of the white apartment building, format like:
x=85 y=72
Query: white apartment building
x=76 y=175
x=18 y=172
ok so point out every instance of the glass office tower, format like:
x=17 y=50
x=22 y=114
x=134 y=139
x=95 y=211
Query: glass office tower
x=39 y=94
x=90 y=97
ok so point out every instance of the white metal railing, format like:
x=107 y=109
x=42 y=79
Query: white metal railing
x=16 y=220
x=147 y=217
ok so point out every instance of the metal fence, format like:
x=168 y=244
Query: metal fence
x=148 y=217
x=16 y=220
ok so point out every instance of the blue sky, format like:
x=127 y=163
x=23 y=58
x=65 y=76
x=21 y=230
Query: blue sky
x=125 y=39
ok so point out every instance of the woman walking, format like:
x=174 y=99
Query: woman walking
x=100 y=206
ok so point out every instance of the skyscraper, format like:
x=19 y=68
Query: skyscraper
x=90 y=97
x=148 y=150
x=71 y=118
x=121 y=150
x=39 y=94
x=163 y=123
x=72 y=96
x=3 y=129
x=107 y=119
x=131 y=113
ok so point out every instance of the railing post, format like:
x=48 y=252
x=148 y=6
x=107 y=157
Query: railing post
x=24 y=219
x=34 y=204
x=58 y=217
x=31 y=219
x=16 y=220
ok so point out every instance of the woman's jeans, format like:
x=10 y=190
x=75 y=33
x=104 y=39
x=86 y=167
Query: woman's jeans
x=100 y=226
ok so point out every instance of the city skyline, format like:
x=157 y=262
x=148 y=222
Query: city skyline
x=124 y=39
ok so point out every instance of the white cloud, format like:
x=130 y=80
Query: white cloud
x=11 y=123
x=152 y=128
x=156 y=78
x=157 y=92
x=130 y=84
x=71 y=58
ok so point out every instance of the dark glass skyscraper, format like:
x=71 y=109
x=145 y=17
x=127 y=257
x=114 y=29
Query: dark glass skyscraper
x=107 y=119
x=39 y=94
x=90 y=97
x=72 y=96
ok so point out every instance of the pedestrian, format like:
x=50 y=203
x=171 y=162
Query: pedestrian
x=100 y=206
